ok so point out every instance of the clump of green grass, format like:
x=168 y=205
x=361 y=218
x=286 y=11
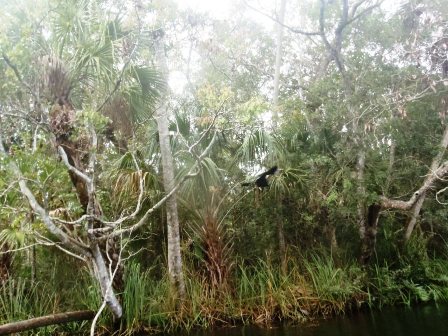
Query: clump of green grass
x=21 y=299
x=264 y=295
x=335 y=288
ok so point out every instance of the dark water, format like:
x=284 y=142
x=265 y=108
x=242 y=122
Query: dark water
x=427 y=320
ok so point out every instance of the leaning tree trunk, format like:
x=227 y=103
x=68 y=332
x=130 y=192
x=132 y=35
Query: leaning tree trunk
x=43 y=321
x=414 y=216
x=174 y=251
x=418 y=205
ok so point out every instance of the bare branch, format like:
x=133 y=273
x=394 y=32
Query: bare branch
x=363 y=12
x=119 y=221
x=109 y=289
x=19 y=77
x=428 y=183
x=48 y=242
x=24 y=248
x=440 y=192
x=355 y=7
x=293 y=30
x=146 y=215
x=73 y=169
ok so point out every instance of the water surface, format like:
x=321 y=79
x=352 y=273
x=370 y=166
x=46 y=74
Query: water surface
x=428 y=320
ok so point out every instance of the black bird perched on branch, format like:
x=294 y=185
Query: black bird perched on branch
x=261 y=181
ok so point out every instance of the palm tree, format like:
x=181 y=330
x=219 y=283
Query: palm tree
x=88 y=67
x=262 y=148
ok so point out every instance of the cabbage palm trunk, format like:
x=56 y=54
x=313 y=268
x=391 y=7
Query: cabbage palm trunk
x=276 y=107
x=173 y=232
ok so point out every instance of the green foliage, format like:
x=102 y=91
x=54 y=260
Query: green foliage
x=391 y=95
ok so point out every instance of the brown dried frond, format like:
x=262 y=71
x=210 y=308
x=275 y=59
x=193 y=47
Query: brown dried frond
x=217 y=251
x=62 y=118
x=55 y=80
x=5 y=263
x=118 y=111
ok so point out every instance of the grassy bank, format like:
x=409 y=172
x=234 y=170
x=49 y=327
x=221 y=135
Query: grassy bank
x=314 y=287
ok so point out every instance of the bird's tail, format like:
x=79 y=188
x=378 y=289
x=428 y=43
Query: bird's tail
x=271 y=171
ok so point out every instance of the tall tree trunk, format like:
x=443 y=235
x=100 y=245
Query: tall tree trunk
x=278 y=62
x=174 y=250
x=329 y=229
x=390 y=167
x=334 y=53
x=275 y=110
x=365 y=232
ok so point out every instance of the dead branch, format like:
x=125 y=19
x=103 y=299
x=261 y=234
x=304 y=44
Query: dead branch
x=19 y=76
x=428 y=183
x=37 y=322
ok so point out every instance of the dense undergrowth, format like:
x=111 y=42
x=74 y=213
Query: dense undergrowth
x=314 y=286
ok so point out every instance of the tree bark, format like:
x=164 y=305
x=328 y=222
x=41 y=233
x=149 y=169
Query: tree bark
x=370 y=230
x=37 y=322
x=414 y=216
x=334 y=53
x=275 y=119
x=437 y=171
x=390 y=167
x=428 y=183
x=361 y=190
x=174 y=249
x=104 y=277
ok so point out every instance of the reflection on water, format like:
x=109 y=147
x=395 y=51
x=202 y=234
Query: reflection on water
x=424 y=320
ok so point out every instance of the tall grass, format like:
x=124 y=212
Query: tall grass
x=259 y=294
x=21 y=299
x=264 y=295
x=135 y=296
x=255 y=294
x=336 y=288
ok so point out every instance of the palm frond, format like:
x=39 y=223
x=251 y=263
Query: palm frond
x=260 y=146
x=290 y=179
x=12 y=237
x=144 y=89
